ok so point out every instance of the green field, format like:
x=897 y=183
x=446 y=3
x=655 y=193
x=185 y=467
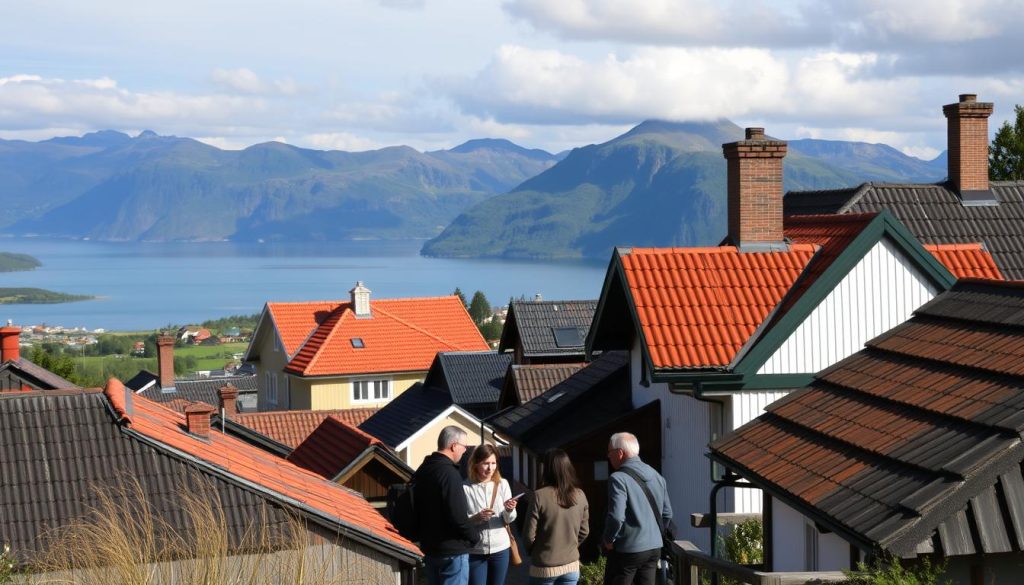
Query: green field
x=93 y=370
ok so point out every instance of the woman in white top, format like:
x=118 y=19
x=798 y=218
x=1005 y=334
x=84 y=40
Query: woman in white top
x=491 y=507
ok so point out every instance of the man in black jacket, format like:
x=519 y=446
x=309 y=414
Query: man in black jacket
x=446 y=533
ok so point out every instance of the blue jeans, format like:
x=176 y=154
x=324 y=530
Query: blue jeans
x=453 y=570
x=564 y=579
x=488 y=569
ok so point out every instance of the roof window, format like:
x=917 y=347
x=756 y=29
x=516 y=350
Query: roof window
x=357 y=342
x=567 y=336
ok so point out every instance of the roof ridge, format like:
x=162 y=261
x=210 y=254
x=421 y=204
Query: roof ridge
x=425 y=332
x=371 y=440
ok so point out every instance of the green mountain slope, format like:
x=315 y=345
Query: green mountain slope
x=111 y=186
x=660 y=184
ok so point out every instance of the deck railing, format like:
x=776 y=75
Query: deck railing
x=689 y=563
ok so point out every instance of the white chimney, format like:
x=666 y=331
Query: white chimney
x=361 y=301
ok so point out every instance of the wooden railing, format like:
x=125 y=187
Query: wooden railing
x=689 y=562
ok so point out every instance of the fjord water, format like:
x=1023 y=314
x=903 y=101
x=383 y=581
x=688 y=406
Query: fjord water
x=149 y=285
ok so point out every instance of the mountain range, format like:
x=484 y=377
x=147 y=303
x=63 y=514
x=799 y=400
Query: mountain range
x=660 y=184
x=111 y=186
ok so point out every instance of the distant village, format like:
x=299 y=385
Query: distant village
x=841 y=377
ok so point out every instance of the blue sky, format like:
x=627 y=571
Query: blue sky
x=552 y=74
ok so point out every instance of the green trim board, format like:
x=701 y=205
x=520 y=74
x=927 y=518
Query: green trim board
x=742 y=373
x=884 y=225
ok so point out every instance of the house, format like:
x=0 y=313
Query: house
x=281 y=431
x=355 y=353
x=579 y=415
x=473 y=379
x=966 y=208
x=348 y=456
x=912 y=446
x=545 y=332
x=18 y=373
x=525 y=382
x=410 y=423
x=72 y=445
x=178 y=393
x=718 y=333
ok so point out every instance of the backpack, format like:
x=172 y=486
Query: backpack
x=402 y=510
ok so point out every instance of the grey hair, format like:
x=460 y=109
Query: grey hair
x=449 y=435
x=627 y=442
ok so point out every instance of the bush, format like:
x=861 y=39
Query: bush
x=6 y=565
x=593 y=573
x=743 y=545
x=892 y=572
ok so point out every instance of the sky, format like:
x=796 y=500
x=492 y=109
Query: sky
x=551 y=74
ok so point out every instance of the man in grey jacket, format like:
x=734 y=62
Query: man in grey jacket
x=632 y=534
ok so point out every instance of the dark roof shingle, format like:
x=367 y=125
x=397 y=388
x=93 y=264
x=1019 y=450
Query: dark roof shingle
x=934 y=214
x=471 y=377
x=536 y=323
x=405 y=414
x=888 y=446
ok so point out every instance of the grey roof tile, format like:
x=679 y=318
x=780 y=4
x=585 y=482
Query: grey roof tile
x=471 y=377
x=535 y=323
x=406 y=413
x=934 y=214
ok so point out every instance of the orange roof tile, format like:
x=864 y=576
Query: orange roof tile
x=291 y=427
x=331 y=447
x=966 y=260
x=250 y=463
x=403 y=335
x=699 y=306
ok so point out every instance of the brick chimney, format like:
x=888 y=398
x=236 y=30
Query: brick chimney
x=228 y=400
x=165 y=360
x=967 y=144
x=10 y=339
x=361 y=301
x=754 y=169
x=197 y=418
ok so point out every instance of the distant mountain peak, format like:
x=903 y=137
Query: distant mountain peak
x=147 y=134
x=102 y=138
x=499 y=145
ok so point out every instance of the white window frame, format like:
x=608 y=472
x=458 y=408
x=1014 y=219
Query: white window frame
x=374 y=388
x=270 y=381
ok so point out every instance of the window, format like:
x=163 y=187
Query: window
x=371 y=390
x=270 y=382
x=357 y=342
x=567 y=336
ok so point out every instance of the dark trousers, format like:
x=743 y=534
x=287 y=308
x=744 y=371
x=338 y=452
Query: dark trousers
x=631 y=568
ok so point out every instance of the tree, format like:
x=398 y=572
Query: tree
x=462 y=297
x=491 y=330
x=1006 y=154
x=479 y=308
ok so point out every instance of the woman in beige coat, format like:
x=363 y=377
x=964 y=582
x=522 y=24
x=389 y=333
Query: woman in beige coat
x=557 y=524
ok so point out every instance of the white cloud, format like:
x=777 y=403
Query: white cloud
x=246 y=81
x=528 y=86
x=403 y=4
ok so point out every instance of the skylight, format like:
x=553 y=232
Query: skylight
x=357 y=342
x=567 y=336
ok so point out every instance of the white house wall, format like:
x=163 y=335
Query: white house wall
x=685 y=431
x=881 y=291
x=745 y=407
x=789 y=539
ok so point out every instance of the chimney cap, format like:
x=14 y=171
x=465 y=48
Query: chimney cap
x=199 y=408
x=968 y=97
x=755 y=133
x=228 y=391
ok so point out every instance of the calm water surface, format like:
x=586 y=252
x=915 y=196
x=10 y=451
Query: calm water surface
x=149 y=285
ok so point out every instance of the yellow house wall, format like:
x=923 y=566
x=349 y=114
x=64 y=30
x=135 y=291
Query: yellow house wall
x=426 y=442
x=271 y=360
x=336 y=393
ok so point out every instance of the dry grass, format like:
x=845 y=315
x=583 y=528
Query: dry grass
x=122 y=540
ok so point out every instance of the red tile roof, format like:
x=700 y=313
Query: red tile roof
x=698 y=306
x=332 y=447
x=403 y=335
x=239 y=459
x=966 y=260
x=291 y=427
